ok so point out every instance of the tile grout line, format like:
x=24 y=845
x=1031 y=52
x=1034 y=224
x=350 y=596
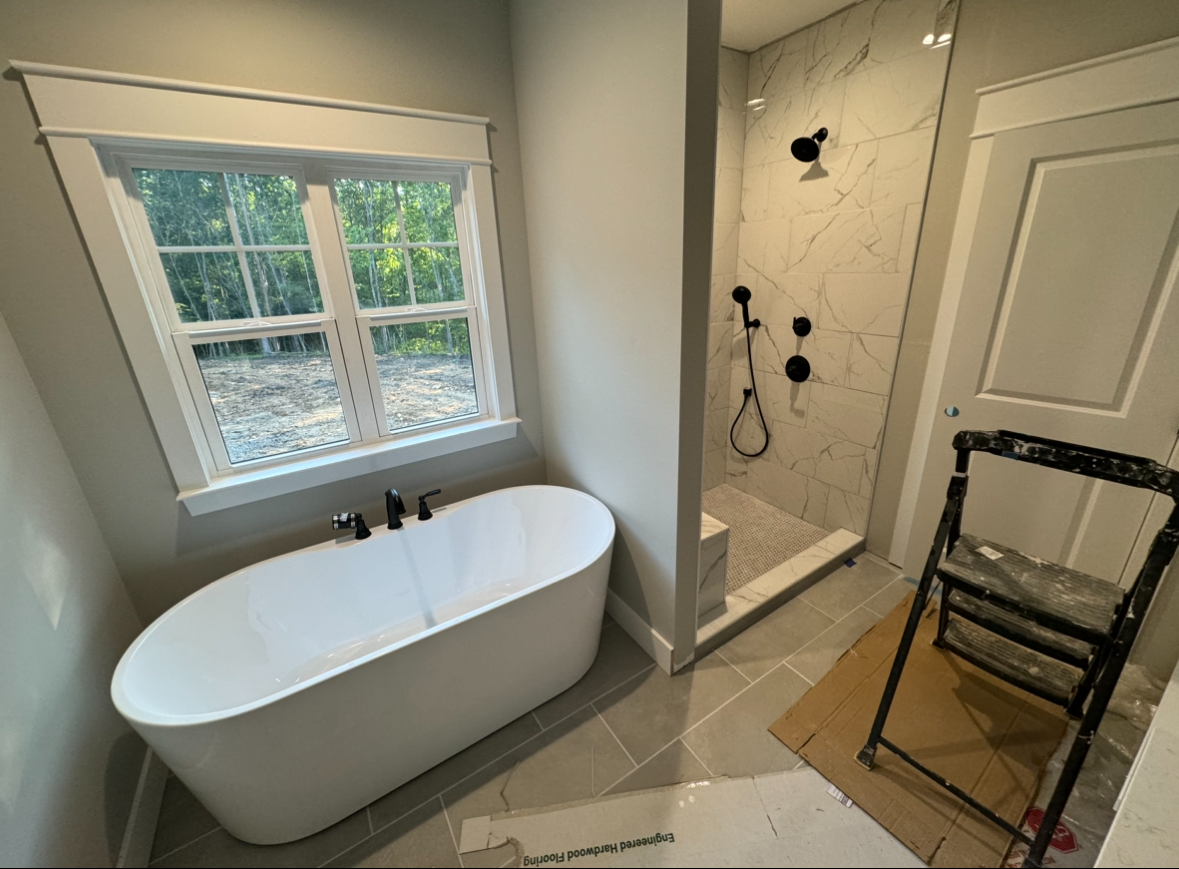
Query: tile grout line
x=695 y=755
x=731 y=664
x=500 y=757
x=185 y=845
x=616 y=739
x=790 y=667
x=450 y=827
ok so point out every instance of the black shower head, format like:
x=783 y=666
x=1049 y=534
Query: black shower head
x=806 y=148
x=741 y=295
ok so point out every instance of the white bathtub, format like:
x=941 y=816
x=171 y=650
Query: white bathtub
x=294 y=692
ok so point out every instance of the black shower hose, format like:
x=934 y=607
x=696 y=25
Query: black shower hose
x=753 y=391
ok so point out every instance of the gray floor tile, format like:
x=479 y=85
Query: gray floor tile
x=434 y=781
x=819 y=655
x=651 y=710
x=421 y=838
x=671 y=766
x=221 y=849
x=848 y=587
x=735 y=740
x=619 y=658
x=182 y=819
x=573 y=760
x=885 y=601
x=763 y=646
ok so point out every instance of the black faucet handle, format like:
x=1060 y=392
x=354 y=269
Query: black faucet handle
x=424 y=509
x=342 y=521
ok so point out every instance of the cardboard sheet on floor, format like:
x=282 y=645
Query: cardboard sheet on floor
x=991 y=739
x=779 y=819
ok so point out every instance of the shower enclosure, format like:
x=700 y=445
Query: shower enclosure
x=833 y=240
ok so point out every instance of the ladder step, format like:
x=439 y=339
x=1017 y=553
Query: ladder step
x=1058 y=597
x=1019 y=630
x=1035 y=673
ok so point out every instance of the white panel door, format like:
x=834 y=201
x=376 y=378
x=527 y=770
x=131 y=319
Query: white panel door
x=1068 y=328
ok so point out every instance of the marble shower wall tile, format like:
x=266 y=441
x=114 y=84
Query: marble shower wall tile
x=716 y=429
x=902 y=168
x=764 y=247
x=813 y=454
x=779 y=297
x=755 y=192
x=866 y=35
x=828 y=353
x=778 y=68
x=728 y=195
x=720 y=342
x=782 y=400
x=721 y=303
x=717 y=395
x=770 y=129
x=869 y=303
x=847 y=414
x=847 y=241
x=897 y=97
x=730 y=138
x=909 y=237
x=845 y=510
x=868 y=482
x=733 y=79
x=796 y=494
x=714 y=468
x=724 y=248
x=840 y=180
x=871 y=363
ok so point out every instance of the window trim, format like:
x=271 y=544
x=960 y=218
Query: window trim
x=86 y=116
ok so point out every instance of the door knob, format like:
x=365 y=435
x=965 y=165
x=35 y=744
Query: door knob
x=798 y=368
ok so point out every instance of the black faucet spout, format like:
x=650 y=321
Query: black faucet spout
x=395 y=508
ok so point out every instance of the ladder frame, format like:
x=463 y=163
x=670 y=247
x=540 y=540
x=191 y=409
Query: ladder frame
x=1101 y=676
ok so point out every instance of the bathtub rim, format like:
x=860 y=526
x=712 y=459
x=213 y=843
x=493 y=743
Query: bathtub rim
x=137 y=715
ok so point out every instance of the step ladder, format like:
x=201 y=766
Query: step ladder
x=1050 y=630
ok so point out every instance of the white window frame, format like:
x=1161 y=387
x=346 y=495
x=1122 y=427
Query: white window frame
x=99 y=125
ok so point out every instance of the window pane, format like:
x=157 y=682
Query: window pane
x=380 y=278
x=273 y=395
x=429 y=211
x=207 y=286
x=284 y=282
x=425 y=371
x=368 y=210
x=267 y=209
x=437 y=275
x=184 y=208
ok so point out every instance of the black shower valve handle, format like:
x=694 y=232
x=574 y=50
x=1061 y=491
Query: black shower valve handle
x=801 y=326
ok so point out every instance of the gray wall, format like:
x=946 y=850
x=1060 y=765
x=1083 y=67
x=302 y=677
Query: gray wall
x=620 y=270
x=995 y=41
x=68 y=763
x=433 y=54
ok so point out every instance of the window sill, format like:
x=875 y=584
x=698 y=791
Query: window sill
x=246 y=488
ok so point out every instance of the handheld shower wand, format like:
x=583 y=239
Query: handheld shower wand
x=741 y=296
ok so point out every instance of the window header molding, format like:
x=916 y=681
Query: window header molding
x=115 y=107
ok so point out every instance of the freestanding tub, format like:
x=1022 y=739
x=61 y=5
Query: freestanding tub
x=294 y=692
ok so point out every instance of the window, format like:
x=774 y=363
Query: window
x=319 y=305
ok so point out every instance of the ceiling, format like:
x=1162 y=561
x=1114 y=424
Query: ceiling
x=747 y=25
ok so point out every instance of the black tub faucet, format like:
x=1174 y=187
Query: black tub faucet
x=423 y=509
x=340 y=521
x=394 y=507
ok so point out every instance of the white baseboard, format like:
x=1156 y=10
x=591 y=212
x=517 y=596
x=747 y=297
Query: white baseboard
x=649 y=639
x=145 y=813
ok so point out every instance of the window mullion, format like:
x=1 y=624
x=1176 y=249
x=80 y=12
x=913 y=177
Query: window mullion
x=243 y=264
x=413 y=296
x=337 y=284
